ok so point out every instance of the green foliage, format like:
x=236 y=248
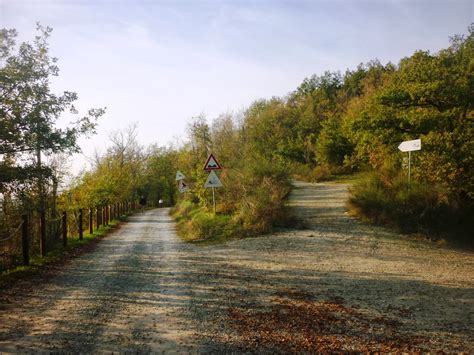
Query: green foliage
x=207 y=226
x=28 y=108
x=429 y=96
x=270 y=131
x=255 y=181
x=385 y=198
x=182 y=210
x=126 y=172
x=159 y=181
x=197 y=224
x=31 y=142
x=332 y=147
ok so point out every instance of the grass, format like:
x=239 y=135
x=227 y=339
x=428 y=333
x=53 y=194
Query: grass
x=349 y=179
x=59 y=255
x=325 y=173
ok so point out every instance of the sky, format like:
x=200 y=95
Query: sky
x=160 y=63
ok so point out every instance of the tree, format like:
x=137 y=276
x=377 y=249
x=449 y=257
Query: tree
x=332 y=146
x=160 y=176
x=29 y=111
x=432 y=96
x=28 y=108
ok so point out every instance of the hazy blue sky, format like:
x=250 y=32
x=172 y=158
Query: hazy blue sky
x=162 y=62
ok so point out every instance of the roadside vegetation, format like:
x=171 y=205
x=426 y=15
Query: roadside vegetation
x=255 y=184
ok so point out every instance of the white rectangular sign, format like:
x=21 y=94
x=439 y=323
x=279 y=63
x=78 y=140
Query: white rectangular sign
x=409 y=146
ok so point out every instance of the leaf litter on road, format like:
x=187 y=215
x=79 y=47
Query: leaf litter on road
x=296 y=322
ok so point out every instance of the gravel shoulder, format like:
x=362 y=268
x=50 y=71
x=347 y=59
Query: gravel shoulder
x=144 y=290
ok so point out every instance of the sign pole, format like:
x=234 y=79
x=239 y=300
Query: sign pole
x=409 y=167
x=409 y=146
x=212 y=180
x=214 y=200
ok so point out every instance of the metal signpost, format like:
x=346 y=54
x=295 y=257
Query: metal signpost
x=409 y=146
x=212 y=180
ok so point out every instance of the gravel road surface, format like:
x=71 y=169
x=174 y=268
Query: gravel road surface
x=335 y=285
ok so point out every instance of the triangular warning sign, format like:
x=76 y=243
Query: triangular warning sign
x=182 y=186
x=213 y=180
x=179 y=175
x=211 y=163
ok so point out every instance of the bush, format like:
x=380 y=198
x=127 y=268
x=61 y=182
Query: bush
x=205 y=225
x=252 y=203
x=197 y=223
x=183 y=209
x=325 y=172
x=265 y=208
x=321 y=173
x=384 y=199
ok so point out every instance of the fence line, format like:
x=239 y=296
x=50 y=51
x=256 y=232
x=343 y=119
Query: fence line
x=104 y=214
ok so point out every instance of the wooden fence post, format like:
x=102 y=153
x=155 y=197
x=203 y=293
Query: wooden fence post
x=24 y=240
x=80 y=224
x=91 y=221
x=42 y=233
x=64 y=228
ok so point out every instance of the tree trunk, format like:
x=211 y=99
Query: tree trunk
x=42 y=206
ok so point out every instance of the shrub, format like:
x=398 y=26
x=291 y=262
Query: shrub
x=252 y=203
x=197 y=223
x=205 y=225
x=386 y=199
x=325 y=172
x=183 y=209
x=321 y=173
x=301 y=171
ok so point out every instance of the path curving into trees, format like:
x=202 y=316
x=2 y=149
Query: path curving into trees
x=337 y=285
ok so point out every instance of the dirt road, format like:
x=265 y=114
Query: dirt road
x=336 y=285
